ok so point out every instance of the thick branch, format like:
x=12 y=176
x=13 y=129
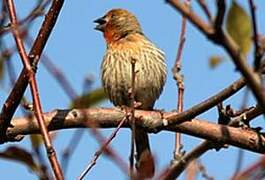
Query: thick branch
x=207 y=104
x=110 y=118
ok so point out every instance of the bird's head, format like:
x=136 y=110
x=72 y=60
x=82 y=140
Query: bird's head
x=116 y=24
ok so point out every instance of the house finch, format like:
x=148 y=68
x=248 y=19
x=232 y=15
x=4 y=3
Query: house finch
x=125 y=41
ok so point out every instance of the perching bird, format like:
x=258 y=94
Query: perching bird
x=125 y=41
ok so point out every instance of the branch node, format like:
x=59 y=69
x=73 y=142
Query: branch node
x=72 y=115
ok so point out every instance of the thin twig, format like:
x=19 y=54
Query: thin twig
x=205 y=8
x=207 y=104
x=109 y=151
x=179 y=79
x=221 y=6
x=34 y=91
x=102 y=149
x=191 y=171
x=132 y=101
x=257 y=52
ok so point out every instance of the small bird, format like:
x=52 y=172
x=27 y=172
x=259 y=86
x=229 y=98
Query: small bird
x=125 y=41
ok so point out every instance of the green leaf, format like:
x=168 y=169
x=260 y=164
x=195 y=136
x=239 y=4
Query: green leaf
x=215 y=60
x=20 y=155
x=238 y=26
x=90 y=99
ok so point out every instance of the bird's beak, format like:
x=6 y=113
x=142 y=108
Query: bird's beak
x=101 y=24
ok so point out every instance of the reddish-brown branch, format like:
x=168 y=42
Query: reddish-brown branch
x=191 y=170
x=47 y=140
x=16 y=34
x=34 y=90
x=220 y=38
x=179 y=79
x=20 y=86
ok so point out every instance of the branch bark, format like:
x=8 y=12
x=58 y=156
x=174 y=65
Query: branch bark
x=150 y=120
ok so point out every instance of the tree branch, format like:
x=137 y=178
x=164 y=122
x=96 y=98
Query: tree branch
x=207 y=104
x=221 y=6
x=110 y=118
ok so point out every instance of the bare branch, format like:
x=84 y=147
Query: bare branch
x=220 y=15
x=109 y=118
x=132 y=108
x=207 y=104
x=180 y=82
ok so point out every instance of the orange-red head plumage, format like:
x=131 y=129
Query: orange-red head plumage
x=117 y=23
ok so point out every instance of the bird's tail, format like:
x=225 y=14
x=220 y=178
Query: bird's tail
x=145 y=162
